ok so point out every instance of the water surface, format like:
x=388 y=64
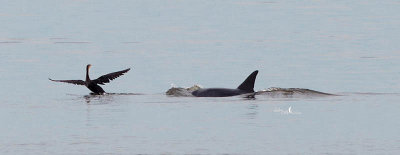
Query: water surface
x=349 y=48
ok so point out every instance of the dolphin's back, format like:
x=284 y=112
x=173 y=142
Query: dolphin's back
x=217 y=92
x=246 y=87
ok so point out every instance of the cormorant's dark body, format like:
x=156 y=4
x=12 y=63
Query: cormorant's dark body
x=96 y=89
x=93 y=85
x=246 y=87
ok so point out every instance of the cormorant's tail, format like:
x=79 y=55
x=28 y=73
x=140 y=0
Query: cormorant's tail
x=248 y=84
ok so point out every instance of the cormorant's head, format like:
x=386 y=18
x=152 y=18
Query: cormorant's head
x=88 y=66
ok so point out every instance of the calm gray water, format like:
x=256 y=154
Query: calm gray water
x=350 y=48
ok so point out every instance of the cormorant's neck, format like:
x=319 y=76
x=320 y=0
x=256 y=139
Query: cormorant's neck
x=87 y=74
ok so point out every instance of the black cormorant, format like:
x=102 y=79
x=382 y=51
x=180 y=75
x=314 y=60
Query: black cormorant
x=93 y=84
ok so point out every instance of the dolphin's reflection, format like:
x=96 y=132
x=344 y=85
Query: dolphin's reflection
x=253 y=111
x=249 y=96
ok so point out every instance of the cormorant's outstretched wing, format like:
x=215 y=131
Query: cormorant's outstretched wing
x=108 y=77
x=77 y=82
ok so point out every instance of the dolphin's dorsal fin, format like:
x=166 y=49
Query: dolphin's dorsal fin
x=248 y=84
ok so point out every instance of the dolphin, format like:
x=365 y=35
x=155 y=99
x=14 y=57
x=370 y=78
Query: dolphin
x=246 y=87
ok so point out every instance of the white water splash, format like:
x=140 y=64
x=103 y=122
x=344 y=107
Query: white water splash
x=179 y=91
x=289 y=111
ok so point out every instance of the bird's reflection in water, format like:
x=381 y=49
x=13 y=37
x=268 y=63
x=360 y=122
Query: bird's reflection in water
x=104 y=99
x=98 y=99
x=99 y=108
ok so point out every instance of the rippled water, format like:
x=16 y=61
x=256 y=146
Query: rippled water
x=346 y=48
